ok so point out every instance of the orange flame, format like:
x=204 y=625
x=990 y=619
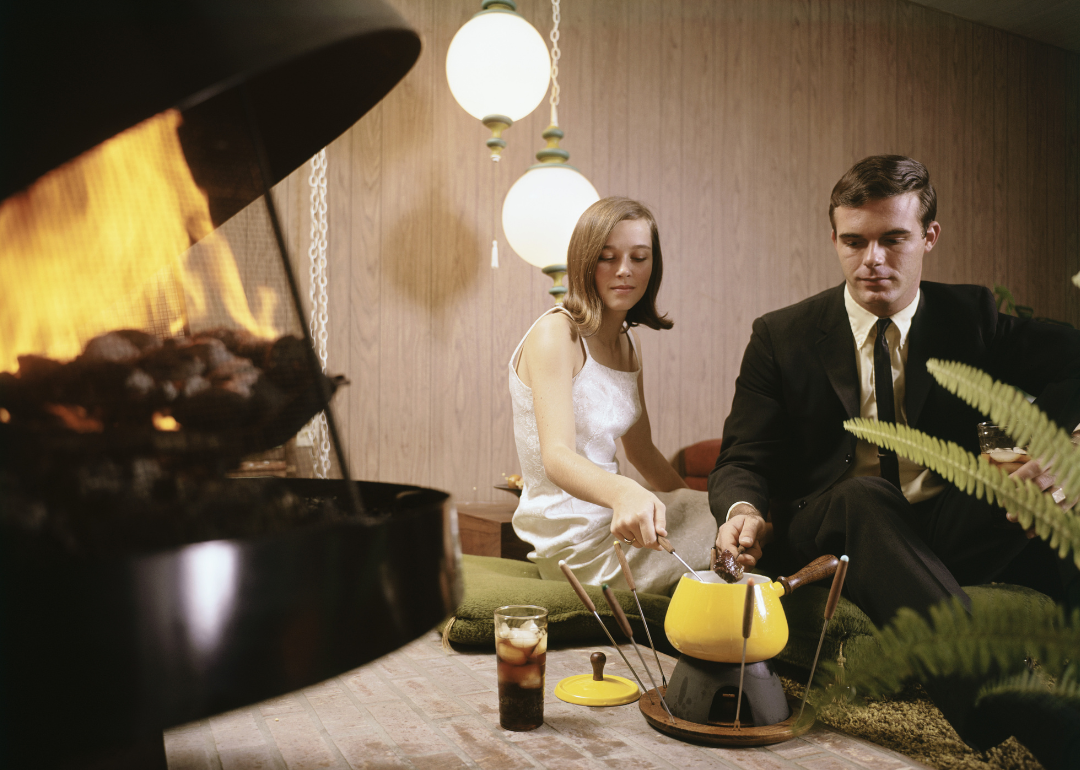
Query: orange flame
x=120 y=237
x=165 y=422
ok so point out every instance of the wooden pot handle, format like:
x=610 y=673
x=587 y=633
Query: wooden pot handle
x=821 y=567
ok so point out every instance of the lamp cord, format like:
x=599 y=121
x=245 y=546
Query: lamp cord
x=494 y=225
x=555 y=53
x=556 y=16
x=320 y=315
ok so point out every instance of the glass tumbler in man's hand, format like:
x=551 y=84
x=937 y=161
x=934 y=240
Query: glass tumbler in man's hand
x=999 y=448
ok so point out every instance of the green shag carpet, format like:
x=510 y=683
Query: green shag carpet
x=907 y=722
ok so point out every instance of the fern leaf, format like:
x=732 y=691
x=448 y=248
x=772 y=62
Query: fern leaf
x=974 y=475
x=1067 y=688
x=1027 y=424
x=999 y=637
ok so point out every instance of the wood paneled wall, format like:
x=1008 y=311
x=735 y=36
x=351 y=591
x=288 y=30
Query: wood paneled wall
x=732 y=120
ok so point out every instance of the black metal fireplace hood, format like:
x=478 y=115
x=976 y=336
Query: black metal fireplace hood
x=114 y=647
x=74 y=73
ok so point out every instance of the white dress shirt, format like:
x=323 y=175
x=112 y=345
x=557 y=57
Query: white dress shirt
x=916 y=482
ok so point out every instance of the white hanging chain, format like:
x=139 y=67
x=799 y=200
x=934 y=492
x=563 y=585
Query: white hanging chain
x=319 y=430
x=555 y=54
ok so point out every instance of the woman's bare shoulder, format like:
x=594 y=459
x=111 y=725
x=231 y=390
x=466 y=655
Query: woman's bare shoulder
x=551 y=347
x=553 y=332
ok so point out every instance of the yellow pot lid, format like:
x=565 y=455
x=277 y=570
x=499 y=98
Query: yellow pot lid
x=596 y=689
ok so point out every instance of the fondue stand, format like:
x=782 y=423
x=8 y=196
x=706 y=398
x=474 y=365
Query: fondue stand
x=706 y=622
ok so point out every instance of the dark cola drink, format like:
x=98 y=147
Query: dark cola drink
x=521 y=651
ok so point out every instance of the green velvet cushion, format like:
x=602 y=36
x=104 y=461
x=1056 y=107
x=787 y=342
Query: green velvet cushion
x=492 y=582
x=850 y=631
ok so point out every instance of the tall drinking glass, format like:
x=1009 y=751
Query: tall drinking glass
x=521 y=650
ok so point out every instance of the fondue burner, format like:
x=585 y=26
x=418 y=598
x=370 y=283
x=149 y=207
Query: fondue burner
x=705 y=692
x=702 y=693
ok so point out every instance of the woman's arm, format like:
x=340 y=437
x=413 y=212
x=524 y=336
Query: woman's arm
x=642 y=453
x=548 y=359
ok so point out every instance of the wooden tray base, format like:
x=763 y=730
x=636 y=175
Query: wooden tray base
x=725 y=734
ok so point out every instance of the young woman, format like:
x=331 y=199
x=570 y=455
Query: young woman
x=576 y=385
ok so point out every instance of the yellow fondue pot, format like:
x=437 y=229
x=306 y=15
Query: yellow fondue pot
x=704 y=620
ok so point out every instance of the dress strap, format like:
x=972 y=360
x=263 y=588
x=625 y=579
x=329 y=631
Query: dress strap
x=517 y=351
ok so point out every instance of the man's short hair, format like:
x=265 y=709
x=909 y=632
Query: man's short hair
x=883 y=176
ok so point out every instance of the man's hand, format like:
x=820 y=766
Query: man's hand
x=1046 y=481
x=745 y=527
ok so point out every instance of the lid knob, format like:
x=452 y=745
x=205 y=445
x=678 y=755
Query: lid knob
x=598 y=659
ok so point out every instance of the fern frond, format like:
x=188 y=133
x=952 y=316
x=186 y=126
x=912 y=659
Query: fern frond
x=975 y=475
x=998 y=637
x=1026 y=423
x=1067 y=688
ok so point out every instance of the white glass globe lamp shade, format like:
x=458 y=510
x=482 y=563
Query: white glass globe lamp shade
x=540 y=212
x=498 y=68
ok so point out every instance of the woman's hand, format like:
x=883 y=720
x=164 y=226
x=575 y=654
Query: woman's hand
x=638 y=517
x=746 y=527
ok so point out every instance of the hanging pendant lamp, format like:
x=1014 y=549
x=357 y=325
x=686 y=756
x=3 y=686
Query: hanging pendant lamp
x=498 y=68
x=543 y=206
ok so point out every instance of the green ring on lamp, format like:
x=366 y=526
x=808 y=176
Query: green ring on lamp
x=552 y=152
x=488 y=3
x=489 y=119
x=492 y=143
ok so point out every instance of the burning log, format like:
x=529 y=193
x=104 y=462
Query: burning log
x=127 y=445
x=216 y=382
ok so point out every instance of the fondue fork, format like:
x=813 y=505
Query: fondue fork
x=630 y=582
x=624 y=624
x=666 y=545
x=572 y=578
x=830 y=608
x=747 y=621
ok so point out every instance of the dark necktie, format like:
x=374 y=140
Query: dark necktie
x=886 y=409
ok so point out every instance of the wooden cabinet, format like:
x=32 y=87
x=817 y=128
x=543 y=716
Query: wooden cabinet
x=486 y=530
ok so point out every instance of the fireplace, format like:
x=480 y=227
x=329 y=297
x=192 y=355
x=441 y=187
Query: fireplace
x=152 y=336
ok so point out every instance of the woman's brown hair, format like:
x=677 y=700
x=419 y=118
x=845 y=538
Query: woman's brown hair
x=590 y=236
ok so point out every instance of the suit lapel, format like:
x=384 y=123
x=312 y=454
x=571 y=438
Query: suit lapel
x=920 y=350
x=836 y=347
x=932 y=336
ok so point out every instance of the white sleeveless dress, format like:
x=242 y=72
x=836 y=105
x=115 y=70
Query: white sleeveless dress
x=559 y=526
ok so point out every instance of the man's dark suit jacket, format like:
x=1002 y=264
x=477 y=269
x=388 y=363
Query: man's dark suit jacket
x=784 y=443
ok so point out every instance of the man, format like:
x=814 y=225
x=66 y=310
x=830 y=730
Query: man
x=790 y=473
